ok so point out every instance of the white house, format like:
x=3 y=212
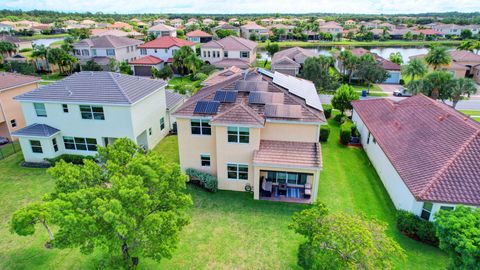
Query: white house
x=229 y=51
x=86 y=109
x=252 y=28
x=426 y=153
x=162 y=30
x=164 y=47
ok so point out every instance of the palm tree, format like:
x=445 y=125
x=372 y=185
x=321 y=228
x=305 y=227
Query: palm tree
x=396 y=58
x=40 y=51
x=415 y=68
x=438 y=56
x=470 y=45
x=7 y=48
x=461 y=87
x=438 y=84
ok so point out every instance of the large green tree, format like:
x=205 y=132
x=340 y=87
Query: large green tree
x=459 y=234
x=130 y=203
x=370 y=71
x=317 y=70
x=437 y=85
x=396 y=58
x=415 y=68
x=438 y=56
x=343 y=97
x=343 y=241
x=349 y=63
x=40 y=51
x=186 y=61
x=272 y=48
x=462 y=87
x=6 y=48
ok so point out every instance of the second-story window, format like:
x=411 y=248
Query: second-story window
x=200 y=127
x=13 y=122
x=143 y=51
x=244 y=54
x=65 y=108
x=225 y=54
x=40 y=109
x=110 y=52
x=85 y=52
x=94 y=52
x=238 y=134
x=92 y=112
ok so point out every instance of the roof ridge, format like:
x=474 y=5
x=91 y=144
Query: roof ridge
x=251 y=112
x=442 y=171
x=119 y=87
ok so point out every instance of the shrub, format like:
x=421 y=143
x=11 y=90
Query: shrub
x=206 y=180
x=340 y=118
x=401 y=82
x=74 y=159
x=324 y=133
x=345 y=132
x=327 y=110
x=416 y=228
x=25 y=50
x=354 y=129
x=200 y=76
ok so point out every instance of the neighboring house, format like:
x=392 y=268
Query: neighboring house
x=89 y=23
x=221 y=75
x=176 y=23
x=162 y=30
x=5 y=28
x=11 y=85
x=86 y=109
x=227 y=26
x=117 y=33
x=20 y=44
x=288 y=30
x=208 y=21
x=255 y=131
x=425 y=152
x=350 y=23
x=394 y=70
x=164 y=47
x=454 y=29
x=260 y=32
x=198 y=36
x=229 y=51
x=143 y=66
x=174 y=101
x=330 y=27
x=100 y=49
x=290 y=61
x=120 y=26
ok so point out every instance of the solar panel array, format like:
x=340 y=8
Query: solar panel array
x=265 y=98
x=206 y=107
x=225 y=96
x=283 y=111
x=250 y=86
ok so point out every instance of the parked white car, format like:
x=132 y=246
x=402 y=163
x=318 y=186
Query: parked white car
x=402 y=92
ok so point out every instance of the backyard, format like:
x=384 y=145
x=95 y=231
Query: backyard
x=474 y=114
x=228 y=230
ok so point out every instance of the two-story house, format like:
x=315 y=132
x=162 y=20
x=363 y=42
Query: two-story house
x=199 y=36
x=100 y=49
x=162 y=30
x=164 y=47
x=86 y=109
x=330 y=27
x=252 y=29
x=11 y=85
x=255 y=131
x=229 y=51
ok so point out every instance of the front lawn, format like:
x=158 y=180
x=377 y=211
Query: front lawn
x=474 y=114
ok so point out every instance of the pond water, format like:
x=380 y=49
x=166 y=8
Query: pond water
x=382 y=51
x=45 y=41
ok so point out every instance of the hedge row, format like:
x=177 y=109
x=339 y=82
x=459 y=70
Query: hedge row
x=69 y=158
x=324 y=133
x=205 y=180
x=416 y=227
x=327 y=110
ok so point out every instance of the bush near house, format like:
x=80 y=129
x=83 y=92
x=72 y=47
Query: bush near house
x=324 y=133
x=416 y=228
x=327 y=110
x=346 y=132
x=69 y=158
x=205 y=180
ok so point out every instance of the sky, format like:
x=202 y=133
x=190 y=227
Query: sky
x=246 y=6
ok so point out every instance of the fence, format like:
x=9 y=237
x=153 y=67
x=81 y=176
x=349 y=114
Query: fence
x=9 y=149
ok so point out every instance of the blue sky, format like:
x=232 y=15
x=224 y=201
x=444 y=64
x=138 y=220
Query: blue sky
x=247 y=6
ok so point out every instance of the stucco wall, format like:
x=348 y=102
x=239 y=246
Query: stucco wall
x=163 y=54
x=290 y=132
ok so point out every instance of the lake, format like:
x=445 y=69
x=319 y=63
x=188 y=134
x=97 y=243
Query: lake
x=382 y=51
x=45 y=41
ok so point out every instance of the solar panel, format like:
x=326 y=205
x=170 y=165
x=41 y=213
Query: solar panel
x=248 y=86
x=206 y=107
x=283 y=111
x=265 y=98
x=225 y=96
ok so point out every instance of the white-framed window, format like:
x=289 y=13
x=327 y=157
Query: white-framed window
x=110 y=52
x=244 y=54
x=225 y=53
x=205 y=160
x=238 y=134
x=204 y=54
x=200 y=127
x=77 y=143
x=13 y=123
x=292 y=178
x=236 y=171
x=94 y=52
x=36 y=146
x=162 y=123
x=208 y=53
x=426 y=210
x=55 y=145
x=40 y=109
x=143 y=51
x=85 y=52
x=92 y=112
x=65 y=108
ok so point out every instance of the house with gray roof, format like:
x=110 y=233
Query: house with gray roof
x=290 y=61
x=229 y=51
x=87 y=109
x=100 y=49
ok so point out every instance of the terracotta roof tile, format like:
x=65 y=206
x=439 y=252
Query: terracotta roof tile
x=198 y=33
x=166 y=42
x=8 y=80
x=286 y=153
x=239 y=114
x=146 y=60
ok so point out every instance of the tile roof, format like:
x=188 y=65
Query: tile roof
x=113 y=32
x=96 y=87
x=433 y=147
x=173 y=99
x=108 y=42
x=161 y=27
x=146 y=60
x=464 y=56
x=198 y=33
x=11 y=39
x=296 y=54
x=231 y=43
x=286 y=153
x=387 y=64
x=222 y=75
x=9 y=80
x=308 y=114
x=240 y=114
x=230 y=62
x=36 y=130
x=253 y=26
x=167 y=42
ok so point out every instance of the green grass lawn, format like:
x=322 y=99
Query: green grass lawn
x=228 y=230
x=261 y=64
x=286 y=44
x=474 y=114
x=53 y=77
x=9 y=149
x=40 y=36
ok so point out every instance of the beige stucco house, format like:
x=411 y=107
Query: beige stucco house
x=11 y=85
x=229 y=51
x=258 y=131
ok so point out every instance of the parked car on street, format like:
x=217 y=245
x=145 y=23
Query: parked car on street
x=402 y=92
x=4 y=140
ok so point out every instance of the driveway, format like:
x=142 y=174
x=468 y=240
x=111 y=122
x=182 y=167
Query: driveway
x=389 y=88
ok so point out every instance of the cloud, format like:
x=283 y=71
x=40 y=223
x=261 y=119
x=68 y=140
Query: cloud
x=247 y=6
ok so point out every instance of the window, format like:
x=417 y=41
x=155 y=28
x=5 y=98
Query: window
x=374 y=141
x=150 y=131
x=162 y=123
x=238 y=135
x=128 y=49
x=368 y=138
x=244 y=54
x=208 y=53
x=225 y=54
x=94 y=52
x=110 y=52
x=76 y=143
x=237 y=171
x=65 y=108
x=204 y=54
x=85 y=52
x=55 y=145
x=287 y=177
x=200 y=127
x=40 y=109
x=427 y=210
x=13 y=122
x=36 y=146
x=77 y=52
x=92 y=112
x=205 y=160
x=143 y=51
